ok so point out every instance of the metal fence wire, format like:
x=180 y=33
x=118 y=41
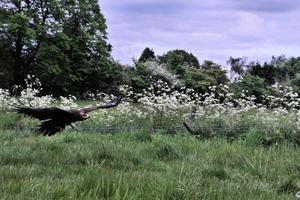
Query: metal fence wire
x=197 y=130
x=156 y=127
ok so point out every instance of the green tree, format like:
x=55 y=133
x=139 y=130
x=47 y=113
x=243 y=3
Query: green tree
x=62 y=42
x=138 y=77
x=147 y=54
x=237 y=67
x=268 y=71
x=215 y=71
x=295 y=83
x=289 y=73
x=5 y=62
x=22 y=24
x=201 y=79
x=291 y=68
x=186 y=66
x=80 y=52
x=207 y=64
x=280 y=70
x=252 y=85
x=174 y=59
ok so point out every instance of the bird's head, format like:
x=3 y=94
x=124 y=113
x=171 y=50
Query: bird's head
x=83 y=115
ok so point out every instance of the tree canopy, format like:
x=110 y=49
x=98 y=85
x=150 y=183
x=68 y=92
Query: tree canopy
x=63 y=43
x=147 y=54
x=178 y=57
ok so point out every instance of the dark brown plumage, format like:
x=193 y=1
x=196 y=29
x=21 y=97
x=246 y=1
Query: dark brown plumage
x=55 y=119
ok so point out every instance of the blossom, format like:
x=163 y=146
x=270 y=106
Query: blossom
x=160 y=103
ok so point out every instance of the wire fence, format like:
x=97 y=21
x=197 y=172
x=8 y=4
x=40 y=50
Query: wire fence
x=176 y=128
x=198 y=130
x=159 y=126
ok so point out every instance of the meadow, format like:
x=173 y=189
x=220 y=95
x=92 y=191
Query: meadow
x=140 y=165
x=239 y=149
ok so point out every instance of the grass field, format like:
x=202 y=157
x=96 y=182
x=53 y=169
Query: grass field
x=143 y=166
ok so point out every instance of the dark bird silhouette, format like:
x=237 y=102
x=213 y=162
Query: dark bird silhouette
x=54 y=120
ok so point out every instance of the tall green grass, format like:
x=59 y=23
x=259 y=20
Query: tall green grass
x=141 y=165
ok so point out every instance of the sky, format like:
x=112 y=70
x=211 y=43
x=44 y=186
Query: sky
x=210 y=29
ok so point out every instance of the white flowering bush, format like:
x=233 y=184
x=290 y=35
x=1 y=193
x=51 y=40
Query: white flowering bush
x=160 y=70
x=162 y=107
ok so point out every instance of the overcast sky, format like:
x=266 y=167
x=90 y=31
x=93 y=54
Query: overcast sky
x=213 y=29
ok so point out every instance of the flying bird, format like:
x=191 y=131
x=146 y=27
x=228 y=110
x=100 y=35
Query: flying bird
x=54 y=120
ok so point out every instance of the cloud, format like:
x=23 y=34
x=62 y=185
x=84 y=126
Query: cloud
x=213 y=30
x=151 y=7
x=267 y=5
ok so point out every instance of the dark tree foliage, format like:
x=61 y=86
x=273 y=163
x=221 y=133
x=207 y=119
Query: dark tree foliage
x=291 y=68
x=21 y=26
x=278 y=61
x=207 y=64
x=176 y=58
x=147 y=54
x=201 y=79
x=237 y=67
x=186 y=66
x=138 y=77
x=268 y=72
x=5 y=63
x=279 y=70
x=295 y=83
x=63 y=43
x=198 y=80
x=290 y=73
x=252 y=85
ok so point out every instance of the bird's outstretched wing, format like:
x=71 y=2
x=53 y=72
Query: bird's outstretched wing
x=115 y=102
x=53 y=119
x=112 y=103
x=51 y=127
x=44 y=113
